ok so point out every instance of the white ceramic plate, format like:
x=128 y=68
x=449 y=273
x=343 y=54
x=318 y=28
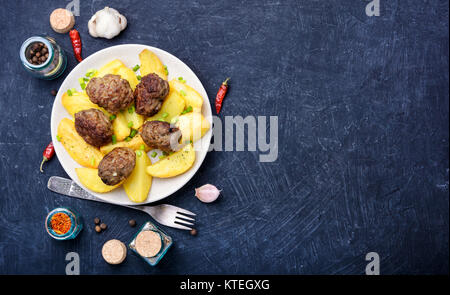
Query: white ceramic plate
x=128 y=54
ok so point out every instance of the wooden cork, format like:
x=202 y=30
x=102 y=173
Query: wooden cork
x=62 y=20
x=148 y=243
x=114 y=252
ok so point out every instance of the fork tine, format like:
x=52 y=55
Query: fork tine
x=171 y=223
x=185 y=217
x=183 y=222
x=179 y=226
x=170 y=215
x=184 y=211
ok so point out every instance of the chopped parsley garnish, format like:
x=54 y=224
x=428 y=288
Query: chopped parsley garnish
x=187 y=110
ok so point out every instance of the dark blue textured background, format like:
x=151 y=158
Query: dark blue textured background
x=363 y=106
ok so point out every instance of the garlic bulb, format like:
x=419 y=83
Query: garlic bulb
x=107 y=23
x=207 y=193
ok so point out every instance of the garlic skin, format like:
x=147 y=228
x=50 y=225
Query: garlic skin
x=107 y=23
x=207 y=193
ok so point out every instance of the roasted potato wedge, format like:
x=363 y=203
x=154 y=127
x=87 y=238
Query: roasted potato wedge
x=110 y=68
x=138 y=184
x=90 y=179
x=192 y=126
x=174 y=164
x=134 y=117
x=128 y=74
x=79 y=101
x=120 y=126
x=135 y=143
x=172 y=106
x=150 y=63
x=190 y=95
x=83 y=153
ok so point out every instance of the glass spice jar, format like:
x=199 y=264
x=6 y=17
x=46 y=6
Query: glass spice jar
x=63 y=224
x=166 y=243
x=52 y=67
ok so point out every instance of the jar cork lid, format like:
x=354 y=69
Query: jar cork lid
x=62 y=20
x=114 y=251
x=148 y=243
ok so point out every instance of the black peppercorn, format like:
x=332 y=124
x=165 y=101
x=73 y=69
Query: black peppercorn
x=193 y=232
x=132 y=223
x=103 y=226
x=96 y=219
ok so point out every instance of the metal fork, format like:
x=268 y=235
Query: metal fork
x=165 y=214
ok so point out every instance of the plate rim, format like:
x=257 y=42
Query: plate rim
x=202 y=153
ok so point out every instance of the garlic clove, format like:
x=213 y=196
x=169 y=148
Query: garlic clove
x=122 y=19
x=123 y=22
x=92 y=26
x=207 y=193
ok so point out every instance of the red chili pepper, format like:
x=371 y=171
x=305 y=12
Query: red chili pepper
x=221 y=95
x=76 y=44
x=48 y=154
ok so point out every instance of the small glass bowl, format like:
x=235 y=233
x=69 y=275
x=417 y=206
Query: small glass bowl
x=55 y=64
x=165 y=239
x=76 y=224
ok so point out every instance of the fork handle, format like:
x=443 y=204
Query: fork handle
x=69 y=188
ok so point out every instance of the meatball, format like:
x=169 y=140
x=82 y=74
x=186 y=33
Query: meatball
x=149 y=94
x=117 y=165
x=158 y=134
x=110 y=92
x=94 y=127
